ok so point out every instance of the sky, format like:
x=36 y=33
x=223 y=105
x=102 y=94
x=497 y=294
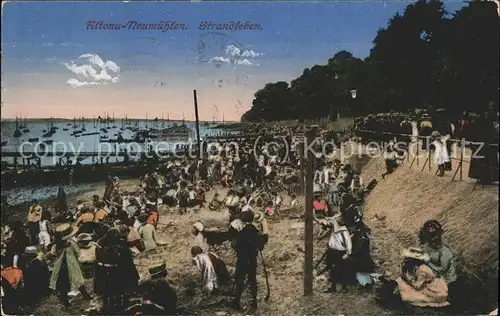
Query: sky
x=59 y=61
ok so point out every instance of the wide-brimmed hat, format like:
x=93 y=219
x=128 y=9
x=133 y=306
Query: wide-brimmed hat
x=157 y=268
x=237 y=224
x=435 y=135
x=31 y=250
x=84 y=238
x=258 y=217
x=66 y=230
x=199 y=226
x=415 y=253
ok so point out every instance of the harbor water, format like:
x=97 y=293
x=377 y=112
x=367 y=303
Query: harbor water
x=65 y=140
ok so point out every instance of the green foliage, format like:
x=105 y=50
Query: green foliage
x=423 y=57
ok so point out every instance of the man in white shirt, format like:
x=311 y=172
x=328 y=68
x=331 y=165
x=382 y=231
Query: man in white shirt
x=339 y=250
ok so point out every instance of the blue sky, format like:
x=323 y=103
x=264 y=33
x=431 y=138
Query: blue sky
x=42 y=43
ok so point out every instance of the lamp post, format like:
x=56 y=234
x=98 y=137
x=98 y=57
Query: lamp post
x=353 y=96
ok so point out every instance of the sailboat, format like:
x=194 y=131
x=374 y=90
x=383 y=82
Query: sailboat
x=17 y=132
x=83 y=124
x=50 y=129
x=25 y=130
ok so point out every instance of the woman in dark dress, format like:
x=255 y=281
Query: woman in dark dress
x=115 y=275
x=362 y=261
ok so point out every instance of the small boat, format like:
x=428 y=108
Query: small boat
x=26 y=130
x=90 y=133
x=18 y=133
x=33 y=140
x=65 y=129
x=48 y=134
x=48 y=142
x=104 y=130
x=69 y=124
x=114 y=126
x=4 y=143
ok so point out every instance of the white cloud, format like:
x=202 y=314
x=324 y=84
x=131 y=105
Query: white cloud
x=234 y=51
x=236 y=56
x=251 y=54
x=95 y=71
x=75 y=83
x=245 y=62
x=219 y=60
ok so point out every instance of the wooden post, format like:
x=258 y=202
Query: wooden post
x=459 y=167
x=197 y=124
x=302 y=167
x=429 y=156
x=462 y=157
x=418 y=149
x=308 y=267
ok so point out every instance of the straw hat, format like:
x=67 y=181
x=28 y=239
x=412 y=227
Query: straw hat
x=66 y=230
x=199 y=226
x=258 y=217
x=237 y=224
x=415 y=253
x=84 y=238
x=436 y=135
x=157 y=268
x=30 y=250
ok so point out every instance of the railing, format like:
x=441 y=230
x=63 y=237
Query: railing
x=462 y=142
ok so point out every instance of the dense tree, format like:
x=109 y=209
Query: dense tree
x=423 y=57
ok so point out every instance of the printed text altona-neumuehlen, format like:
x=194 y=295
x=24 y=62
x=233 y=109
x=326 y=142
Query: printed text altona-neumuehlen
x=171 y=26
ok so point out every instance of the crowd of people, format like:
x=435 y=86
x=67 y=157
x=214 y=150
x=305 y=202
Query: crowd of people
x=60 y=246
x=434 y=130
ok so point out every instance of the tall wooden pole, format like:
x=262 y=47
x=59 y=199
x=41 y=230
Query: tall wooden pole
x=197 y=124
x=302 y=166
x=308 y=267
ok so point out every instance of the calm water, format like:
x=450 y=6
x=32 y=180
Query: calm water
x=89 y=143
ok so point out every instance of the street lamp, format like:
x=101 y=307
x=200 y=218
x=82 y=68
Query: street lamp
x=353 y=96
x=353 y=93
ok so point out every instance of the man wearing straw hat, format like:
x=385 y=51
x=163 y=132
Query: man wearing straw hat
x=66 y=274
x=159 y=298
